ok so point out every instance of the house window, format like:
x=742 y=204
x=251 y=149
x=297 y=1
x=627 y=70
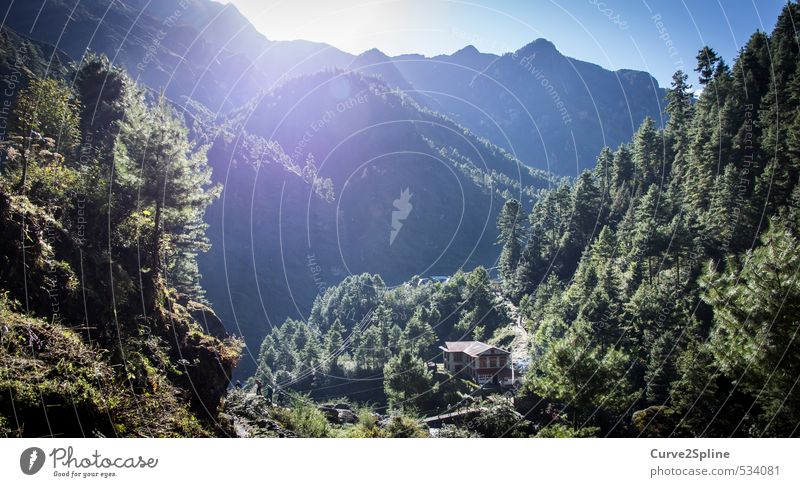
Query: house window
x=492 y=362
x=501 y=361
x=483 y=362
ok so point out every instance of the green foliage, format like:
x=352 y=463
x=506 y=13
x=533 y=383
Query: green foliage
x=50 y=109
x=712 y=351
x=497 y=418
x=565 y=431
x=47 y=363
x=99 y=360
x=366 y=426
x=403 y=426
x=756 y=303
x=708 y=62
x=174 y=188
x=304 y=418
x=510 y=228
x=44 y=130
x=575 y=372
x=407 y=381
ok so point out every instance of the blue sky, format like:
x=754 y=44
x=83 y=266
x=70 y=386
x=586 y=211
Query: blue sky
x=658 y=36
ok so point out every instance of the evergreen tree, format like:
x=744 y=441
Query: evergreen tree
x=586 y=381
x=175 y=189
x=707 y=64
x=419 y=331
x=646 y=156
x=756 y=303
x=778 y=110
x=407 y=381
x=480 y=314
x=661 y=370
x=105 y=92
x=509 y=226
x=334 y=344
x=679 y=110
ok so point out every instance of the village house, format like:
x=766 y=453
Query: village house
x=479 y=362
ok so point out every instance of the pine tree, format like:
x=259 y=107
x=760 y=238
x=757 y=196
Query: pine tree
x=756 y=303
x=334 y=344
x=419 y=332
x=603 y=173
x=105 y=92
x=577 y=374
x=407 y=381
x=778 y=110
x=646 y=160
x=661 y=370
x=510 y=227
x=529 y=271
x=707 y=64
x=175 y=189
x=679 y=110
x=725 y=214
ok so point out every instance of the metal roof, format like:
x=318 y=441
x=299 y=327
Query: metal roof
x=471 y=348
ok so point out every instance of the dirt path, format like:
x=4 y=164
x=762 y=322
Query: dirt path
x=521 y=343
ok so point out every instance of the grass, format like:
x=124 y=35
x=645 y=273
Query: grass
x=48 y=367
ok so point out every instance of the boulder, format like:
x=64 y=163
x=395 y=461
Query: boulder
x=207 y=319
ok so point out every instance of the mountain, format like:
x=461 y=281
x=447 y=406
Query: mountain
x=654 y=296
x=196 y=49
x=553 y=112
x=359 y=178
x=412 y=156
x=376 y=63
x=667 y=272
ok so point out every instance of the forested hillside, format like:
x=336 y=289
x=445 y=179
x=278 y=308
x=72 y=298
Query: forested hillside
x=102 y=196
x=312 y=172
x=326 y=236
x=659 y=288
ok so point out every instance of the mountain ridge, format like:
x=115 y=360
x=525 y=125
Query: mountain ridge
x=211 y=53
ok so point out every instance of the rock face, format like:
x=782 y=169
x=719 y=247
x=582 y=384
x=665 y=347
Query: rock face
x=204 y=316
x=34 y=271
x=339 y=414
x=177 y=356
x=205 y=358
x=247 y=415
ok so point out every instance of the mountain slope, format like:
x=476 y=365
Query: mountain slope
x=411 y=193
x=553 y=112
x=196 y=48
